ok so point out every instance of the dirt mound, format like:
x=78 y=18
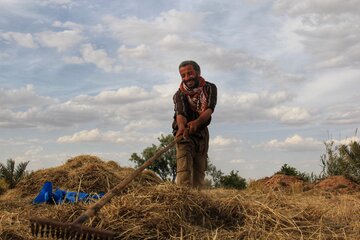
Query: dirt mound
x=85 y=173
x=279 y=182
x=337 y=184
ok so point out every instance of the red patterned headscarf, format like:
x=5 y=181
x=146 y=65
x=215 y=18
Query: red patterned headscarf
x=197 y=96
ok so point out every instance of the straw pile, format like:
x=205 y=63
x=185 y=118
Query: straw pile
x=84 y=173
x=167 y=211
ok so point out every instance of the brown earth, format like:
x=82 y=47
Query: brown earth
x=279 y=182
x=337 y=184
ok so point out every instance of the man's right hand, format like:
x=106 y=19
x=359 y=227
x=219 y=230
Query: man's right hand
x=181 y=122
x=182 y=132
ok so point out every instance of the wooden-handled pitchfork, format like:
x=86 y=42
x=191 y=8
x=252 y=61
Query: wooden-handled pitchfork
x=43 y=227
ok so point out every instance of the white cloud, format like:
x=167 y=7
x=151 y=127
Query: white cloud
x=345 y=141
x=137 y=125
x=94 y=135
x=4 y=56
x=22 y=39
x=293 y=143
x=121 y=96
x=73 y=60
x=19 y=141
x=290 y=115
x=169 y=33
x=331 y=87
x=252 y=99
x=60 y=3
x=237 y=161
x=99 y=57
x=224 y=59
x=135 y=31
x=140 y=52
x=59 y=40
x=68 y=25
x=341 y=115
x=26 y=109
x=26 y=96
x=33 y=150
x=220 y=141
x=324 y=7
x=329 y=30
x=259 y=106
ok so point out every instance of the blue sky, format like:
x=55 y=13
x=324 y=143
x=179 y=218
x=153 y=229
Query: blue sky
x=95 y=77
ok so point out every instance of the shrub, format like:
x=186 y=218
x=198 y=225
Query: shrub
x=288 y=170
x=13 y=175
x=343 y=159
x=292 y=171
x=233 y=180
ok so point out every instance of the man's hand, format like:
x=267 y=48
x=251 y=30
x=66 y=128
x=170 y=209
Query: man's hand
x=181 y=122
x=193 y=126
x=182 y=131
x=203 y=118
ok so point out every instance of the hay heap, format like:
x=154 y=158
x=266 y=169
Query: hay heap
x=85 y=173
x=153 y=210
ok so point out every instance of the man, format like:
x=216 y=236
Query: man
x=194 y=103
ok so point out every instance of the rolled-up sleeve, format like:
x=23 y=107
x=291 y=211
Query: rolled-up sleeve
x=212 y=96
x=179 y=104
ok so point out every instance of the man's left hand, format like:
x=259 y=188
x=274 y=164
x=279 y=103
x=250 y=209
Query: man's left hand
x=193 y=126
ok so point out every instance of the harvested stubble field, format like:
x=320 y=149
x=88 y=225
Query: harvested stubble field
x=150 y=209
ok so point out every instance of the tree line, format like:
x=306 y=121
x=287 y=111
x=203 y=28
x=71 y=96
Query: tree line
x=342 y=159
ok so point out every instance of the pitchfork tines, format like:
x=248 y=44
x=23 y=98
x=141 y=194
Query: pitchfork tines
x=48 y=228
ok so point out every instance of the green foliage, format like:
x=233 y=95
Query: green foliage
x=292 y=171
x=342 y=160
x=215 y=174
x=165 y=166
x=288 y=170
x=331 y=162
x=13 y=175
x=233 y=180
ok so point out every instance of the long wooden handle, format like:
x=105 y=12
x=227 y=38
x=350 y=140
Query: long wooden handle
x=94 y=208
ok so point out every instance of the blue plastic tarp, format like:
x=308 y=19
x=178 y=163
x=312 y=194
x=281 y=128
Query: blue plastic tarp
x=46 y=195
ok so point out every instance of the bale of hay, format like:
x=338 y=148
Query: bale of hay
x=84 y=173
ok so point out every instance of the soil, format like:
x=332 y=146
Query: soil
x=337 y=184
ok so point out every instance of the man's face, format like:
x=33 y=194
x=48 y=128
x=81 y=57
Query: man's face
x=188 y=75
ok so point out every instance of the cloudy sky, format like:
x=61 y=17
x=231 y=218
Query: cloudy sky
x=97 y=77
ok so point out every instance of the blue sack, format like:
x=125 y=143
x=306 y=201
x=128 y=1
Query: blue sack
x=45 y=194
x=60 y=196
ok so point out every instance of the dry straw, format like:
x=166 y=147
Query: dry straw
x=150 y=209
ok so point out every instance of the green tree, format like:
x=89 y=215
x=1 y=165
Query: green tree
x=343 y=159
x=215 y=174
x=165 y=166
x=11 y=174
x=332 y=163
x=351 y=156
x=288 y=170
x=292 y=171
x=233 y=180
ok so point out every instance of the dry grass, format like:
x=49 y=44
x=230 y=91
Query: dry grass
x=147 y=210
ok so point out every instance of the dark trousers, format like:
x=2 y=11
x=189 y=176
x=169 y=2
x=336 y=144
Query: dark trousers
x=191 y=159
